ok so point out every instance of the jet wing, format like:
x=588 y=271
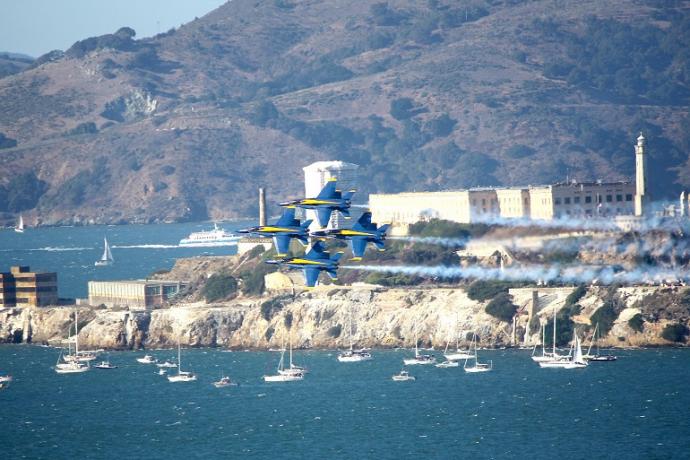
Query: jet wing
x=358 y=245
x=311 y=276
x=282 y=244
x=323 y=215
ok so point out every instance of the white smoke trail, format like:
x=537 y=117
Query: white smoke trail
x=437 y=240
x=536 y=273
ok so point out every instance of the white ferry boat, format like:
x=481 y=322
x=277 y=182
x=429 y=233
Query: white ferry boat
x=207 y=238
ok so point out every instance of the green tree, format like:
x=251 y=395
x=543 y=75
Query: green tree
x=219 y=286
x=502 y=307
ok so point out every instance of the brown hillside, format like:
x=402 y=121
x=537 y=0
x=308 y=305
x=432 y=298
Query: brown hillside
x=423 y=95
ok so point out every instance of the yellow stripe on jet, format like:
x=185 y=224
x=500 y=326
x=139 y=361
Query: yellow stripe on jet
x=348 y=232
x=306 y=262
x=315 y=201
x=275 y=229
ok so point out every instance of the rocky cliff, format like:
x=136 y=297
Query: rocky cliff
x=321 y=319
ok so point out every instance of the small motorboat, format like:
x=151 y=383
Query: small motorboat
x=105 y=365
x=162 y=372
x=147 y=359
x=446 y=364
x=5 y=378
x=224 y=382
x=167 y=364
x=403 y=376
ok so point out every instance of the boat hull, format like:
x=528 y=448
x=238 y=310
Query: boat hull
x=283 y=378
x=418 y=362
x=562 y=365
x=457 y=356
x=354 y=358
x=71 y=369
x=181 y=378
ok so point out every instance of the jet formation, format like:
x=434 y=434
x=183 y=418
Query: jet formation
x=317 y=259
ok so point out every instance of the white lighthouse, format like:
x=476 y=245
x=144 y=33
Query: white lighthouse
x=640 y=177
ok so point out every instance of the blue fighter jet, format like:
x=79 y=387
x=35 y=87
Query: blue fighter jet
x=313 y=263
x=283 y=231
x=327 y=201
x=364 y=231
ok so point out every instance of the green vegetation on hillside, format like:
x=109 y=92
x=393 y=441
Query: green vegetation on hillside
x=632 y=63
x=219 y=286
x=502 y=307
x=675 y=332
x=481 y=290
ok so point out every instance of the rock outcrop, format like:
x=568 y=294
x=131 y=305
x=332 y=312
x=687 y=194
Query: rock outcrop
x=321 y=319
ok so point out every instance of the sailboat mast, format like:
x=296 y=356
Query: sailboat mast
x=543 y=339
x=554 y=331
x=179 y=358
x=76 y=332
x=351 y=331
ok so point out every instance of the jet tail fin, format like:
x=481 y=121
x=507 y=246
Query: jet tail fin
x=332 y=274
x=336 y=257
x=383 y=229
x=306 y=223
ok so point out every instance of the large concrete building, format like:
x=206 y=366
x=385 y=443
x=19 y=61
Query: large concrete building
x=483 y=205
x=557 y=201
x=23 y=288
x=133 y=294
x=315 y=177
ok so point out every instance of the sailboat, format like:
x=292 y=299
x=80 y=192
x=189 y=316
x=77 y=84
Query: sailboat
x=182 y=376
x=458 y=354
x=419 y=358
x=107 y=257
x=598 y=356
x=70 y=364
x=573 y=361
x=292 y=367
x=20 y=225
x=545 y=355
x=477 y=366
x=281 y=375
x=352 y=355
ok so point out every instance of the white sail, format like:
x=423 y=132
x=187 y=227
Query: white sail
x=107 y=257
x=578 y=351
x=20 y=225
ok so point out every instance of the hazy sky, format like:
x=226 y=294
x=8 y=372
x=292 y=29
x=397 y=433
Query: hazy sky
x=35 y=27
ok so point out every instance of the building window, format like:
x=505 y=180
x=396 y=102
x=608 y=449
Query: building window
x=628 y=197
x=619 y=197
x=609 y=198
x=566 y=200
x=483 y=202
x=557 y=201
x=576 y=200
x=588 y=199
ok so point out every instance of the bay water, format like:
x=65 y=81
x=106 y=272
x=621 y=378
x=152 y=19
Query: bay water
x=138 y=250
x=635 y=408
